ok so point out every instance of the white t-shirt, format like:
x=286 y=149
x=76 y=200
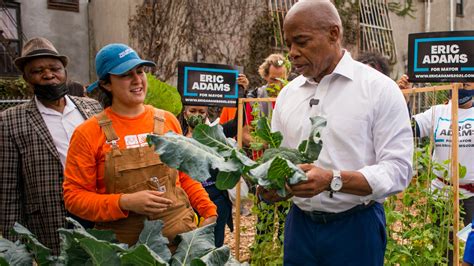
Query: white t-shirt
x=368 y=130
x=61 y=125
x=437 y=121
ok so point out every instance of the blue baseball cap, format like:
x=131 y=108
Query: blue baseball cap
x=116 y=59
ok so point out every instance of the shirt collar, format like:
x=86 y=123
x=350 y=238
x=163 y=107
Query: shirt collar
x=345 y=68
x=70 y=106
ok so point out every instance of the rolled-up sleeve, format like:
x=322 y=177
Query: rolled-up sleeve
x=393 y=147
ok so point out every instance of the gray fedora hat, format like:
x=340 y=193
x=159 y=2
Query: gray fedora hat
x=38 y=47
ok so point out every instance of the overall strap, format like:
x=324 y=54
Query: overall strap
x=159 y=125
x=106 y=124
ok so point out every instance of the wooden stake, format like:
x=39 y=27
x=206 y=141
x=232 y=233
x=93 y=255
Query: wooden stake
x=454 y=168
x=240 y=120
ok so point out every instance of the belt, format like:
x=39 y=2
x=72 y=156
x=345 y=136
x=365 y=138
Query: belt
x=328 y=217
x=207 y=183
x=468 y=187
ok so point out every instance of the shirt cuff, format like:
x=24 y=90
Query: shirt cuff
x=378 y=183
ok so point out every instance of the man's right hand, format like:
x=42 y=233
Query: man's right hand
x=146 y=202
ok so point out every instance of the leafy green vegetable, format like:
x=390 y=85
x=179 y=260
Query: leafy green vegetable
x=151 y=236
x=274 y=173
x=162 y=95
x=218 y=256
x=194 y=244
x=101 y=252
x=41 y=253
x=292 y=155
x=141 y=255
x=311 y=147
x=190 y=156
x=14 y=253
x=263 y=131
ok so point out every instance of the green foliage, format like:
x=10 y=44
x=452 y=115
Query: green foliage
x=349 y=13
x=209 y=148
x=419 y=220
x=80 y=247
x=267 y=248
x=15 y=88
x=402 y=10
x=162 y=95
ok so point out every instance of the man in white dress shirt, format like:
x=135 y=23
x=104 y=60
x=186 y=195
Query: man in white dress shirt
x=337 y=217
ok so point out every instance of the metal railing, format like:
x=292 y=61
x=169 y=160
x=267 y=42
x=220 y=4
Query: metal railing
x=6 y=103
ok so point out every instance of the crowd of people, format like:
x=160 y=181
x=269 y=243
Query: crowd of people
x=66 y=155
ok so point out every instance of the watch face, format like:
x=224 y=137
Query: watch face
x=336 y=184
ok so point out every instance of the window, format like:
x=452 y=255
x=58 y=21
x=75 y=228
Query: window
x=459 y=8
x=10 y=37
x=66 y=5
x=376 y=33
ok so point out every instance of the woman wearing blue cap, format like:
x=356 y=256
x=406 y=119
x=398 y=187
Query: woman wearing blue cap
x=112 y=177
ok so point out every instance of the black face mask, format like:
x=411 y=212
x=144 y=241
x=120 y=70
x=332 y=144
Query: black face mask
x=50 y=92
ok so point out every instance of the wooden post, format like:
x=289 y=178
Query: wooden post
x=454 y=168
x=240 y=120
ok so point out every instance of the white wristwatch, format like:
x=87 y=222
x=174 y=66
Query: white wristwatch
x=336 y=182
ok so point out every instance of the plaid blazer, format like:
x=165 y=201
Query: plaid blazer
x=31 y=173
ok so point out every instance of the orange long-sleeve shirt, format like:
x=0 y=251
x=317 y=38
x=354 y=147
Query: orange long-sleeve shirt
x=227 y=114
x=84 y=187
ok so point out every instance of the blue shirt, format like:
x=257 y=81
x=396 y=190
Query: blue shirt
x=469 y=251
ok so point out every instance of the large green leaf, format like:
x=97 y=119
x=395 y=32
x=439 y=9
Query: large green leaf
x=162 y=95
x=311 y=147
x=152 y=237
x=213 y=137
x=274 y=173
x=42 y=254
x=101 y=252
x=263 y=131
x=218 y=256
x=227 y=180
x=190 y=156
x=71 y=252
x=106 y=235
x=193 y=245
x=14 y=253
x=141 y=255
x=292 y=155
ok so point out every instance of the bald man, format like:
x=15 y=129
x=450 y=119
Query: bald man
x=337 y=217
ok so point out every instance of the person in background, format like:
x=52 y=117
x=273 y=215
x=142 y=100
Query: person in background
x=469 y=249
x=337 y=216
x=34 y=141
x=190 y=118
x=376 y=61
x=76 y=89
x=112 y=176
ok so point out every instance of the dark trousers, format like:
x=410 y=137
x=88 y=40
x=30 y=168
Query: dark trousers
x=224 y=212
x=357 y=239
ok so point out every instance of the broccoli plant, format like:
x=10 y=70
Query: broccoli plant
x=210 y=149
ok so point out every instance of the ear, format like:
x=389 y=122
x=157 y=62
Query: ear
x=105 y=85
x=334 y=33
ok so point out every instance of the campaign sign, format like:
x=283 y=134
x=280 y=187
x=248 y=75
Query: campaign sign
x=441 y=56
x=208 y=84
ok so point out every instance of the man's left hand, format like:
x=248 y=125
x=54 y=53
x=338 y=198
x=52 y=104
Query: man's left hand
x=318 y=181
x=208 y=220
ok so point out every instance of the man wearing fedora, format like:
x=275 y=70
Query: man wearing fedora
x=34 y=139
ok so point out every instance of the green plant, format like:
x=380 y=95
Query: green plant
x=96 y=247
x=419 y=220
x=209 y=148
x=15 y=88
x=402 y=10
x=162 y=95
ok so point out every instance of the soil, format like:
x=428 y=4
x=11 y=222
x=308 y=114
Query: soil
x=247 y=233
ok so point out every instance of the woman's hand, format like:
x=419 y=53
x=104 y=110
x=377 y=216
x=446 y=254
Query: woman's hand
x=208 y=220
x=146 y=202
